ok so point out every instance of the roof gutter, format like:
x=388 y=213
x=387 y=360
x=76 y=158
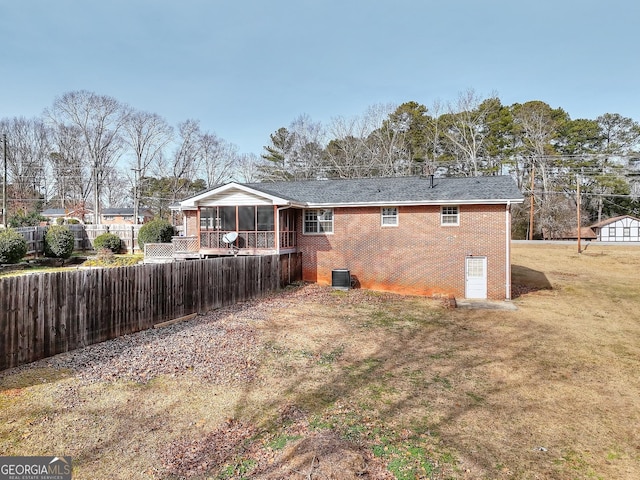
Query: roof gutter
x=416 y=203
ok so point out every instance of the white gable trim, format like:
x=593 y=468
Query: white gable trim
x=236 y=191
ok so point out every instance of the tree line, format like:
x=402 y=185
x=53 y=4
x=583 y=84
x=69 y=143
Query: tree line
x=89 y=150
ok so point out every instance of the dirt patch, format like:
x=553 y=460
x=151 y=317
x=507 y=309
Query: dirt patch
x=189 y=458
x=322 y=455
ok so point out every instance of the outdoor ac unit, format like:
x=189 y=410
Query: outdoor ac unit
x=341 y=279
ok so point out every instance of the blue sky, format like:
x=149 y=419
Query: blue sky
x=246 y=68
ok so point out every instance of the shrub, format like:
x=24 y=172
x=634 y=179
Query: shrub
x=105 y=258
x=59 y=221
x=13 y=246
x=156 y=231
x=58 y=242
x=31 y=219
x=72 y=221
x=108 y=240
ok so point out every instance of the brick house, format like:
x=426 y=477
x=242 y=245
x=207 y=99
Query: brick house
x=416 y=235
x=124 y=216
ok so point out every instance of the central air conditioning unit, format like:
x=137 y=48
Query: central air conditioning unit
x=341 y=279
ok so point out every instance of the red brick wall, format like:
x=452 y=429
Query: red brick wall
x=419 y=256
x=191 y=217
x=116 y=220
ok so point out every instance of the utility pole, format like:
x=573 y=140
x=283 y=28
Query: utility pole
x=96 y=196
x=4 y=183
x=578 y=206
x=531 y=200
x=136 y=193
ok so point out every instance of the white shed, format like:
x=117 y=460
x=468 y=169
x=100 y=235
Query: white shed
x=624 y=228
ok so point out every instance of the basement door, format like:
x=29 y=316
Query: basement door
x=476 y=277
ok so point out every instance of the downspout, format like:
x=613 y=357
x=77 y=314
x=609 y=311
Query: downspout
x=508 y=249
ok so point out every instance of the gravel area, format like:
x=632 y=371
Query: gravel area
x=220 y=347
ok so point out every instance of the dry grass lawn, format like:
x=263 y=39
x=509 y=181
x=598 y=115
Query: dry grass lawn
x=367 y=385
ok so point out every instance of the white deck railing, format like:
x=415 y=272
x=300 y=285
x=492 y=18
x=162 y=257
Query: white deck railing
x=158 y=252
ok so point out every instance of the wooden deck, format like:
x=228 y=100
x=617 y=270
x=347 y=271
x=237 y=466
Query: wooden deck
x=189 y=248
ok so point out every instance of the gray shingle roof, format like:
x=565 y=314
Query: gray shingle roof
x=394 y=190
x=53 y=211
x=123 y=211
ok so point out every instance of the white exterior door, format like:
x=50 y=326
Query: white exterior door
x=476 y=277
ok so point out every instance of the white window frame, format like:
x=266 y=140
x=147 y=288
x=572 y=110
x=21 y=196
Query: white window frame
x=317 y=218
x=446 y=213
x=390 y=214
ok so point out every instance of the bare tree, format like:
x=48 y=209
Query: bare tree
x=181 y=168
x=217 y=159
x=147 y=134
x=71 y=173
x=359 y=147
x=246 y=168
x=27 y=153
x=433 y=140
x=116 y=192
x=308 y=138
x=466 y=131
x=388 y=145
x=537 y=125
x=100 y=120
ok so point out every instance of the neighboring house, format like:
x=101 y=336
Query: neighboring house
x=124 y=216
x=586 y=233
x=624 y=228
x=80 y=214
x=416 y=235
x=53 y=214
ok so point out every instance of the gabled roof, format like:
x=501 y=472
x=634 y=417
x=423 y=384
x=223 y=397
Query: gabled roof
x=123 y=211
x=378 y=191
x=608 y=221
x=54 y=212
x=61 y=212
x=586 y=233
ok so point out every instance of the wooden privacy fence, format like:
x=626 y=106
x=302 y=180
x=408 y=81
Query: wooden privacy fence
x=50 y=313
x=127 y=233
x=34 y=236
x=84 y=235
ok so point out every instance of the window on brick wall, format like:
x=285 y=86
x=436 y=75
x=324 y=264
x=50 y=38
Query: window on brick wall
x=449 y=216
x=389 y=216
x=318 y=220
